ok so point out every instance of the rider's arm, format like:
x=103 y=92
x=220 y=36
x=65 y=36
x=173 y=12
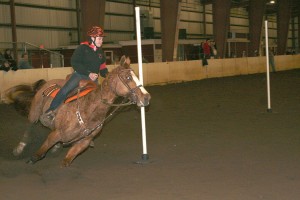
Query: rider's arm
x=78 y=61
x=103 y=70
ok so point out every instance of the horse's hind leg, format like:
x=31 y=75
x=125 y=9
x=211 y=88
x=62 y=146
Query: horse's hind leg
x=23 y=142
x=74 y=151
x=51 y=140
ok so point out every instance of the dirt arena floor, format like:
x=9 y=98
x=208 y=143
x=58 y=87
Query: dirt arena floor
x=210 y=140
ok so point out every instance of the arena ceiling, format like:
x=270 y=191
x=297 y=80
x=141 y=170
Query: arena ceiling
x=271 y=8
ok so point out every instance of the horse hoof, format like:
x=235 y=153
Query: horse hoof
x=31 y=161
x=19 y=149
x=16 y=152
x=34 y=159
x=65 y=163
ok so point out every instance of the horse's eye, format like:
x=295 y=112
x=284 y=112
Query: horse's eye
x=129 y=78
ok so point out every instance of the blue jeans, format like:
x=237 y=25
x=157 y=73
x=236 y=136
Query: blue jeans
x=70 y=85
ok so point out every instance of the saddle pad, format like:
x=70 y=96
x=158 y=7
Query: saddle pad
x=74 y=96
x=49 y=90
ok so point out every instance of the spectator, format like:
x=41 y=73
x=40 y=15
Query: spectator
x=10 y=59
x=206 y=49
x=2 y=59
x=206 y=52
x=5 y=66
x=24 y=64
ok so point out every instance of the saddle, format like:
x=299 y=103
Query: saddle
x=84 y=87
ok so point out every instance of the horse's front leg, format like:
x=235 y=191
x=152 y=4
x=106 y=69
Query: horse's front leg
x=24 y=141
x=51 y=140
x=75 y=150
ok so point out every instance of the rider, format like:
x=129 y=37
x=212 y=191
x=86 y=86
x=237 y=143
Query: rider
x=88 y=60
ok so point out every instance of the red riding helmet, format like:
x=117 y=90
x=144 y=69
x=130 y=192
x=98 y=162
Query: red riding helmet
x=96 y=31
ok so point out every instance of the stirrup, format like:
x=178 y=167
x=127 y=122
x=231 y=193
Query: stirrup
x=50 y=115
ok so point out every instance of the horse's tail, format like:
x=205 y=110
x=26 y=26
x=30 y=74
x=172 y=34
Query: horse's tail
x=21 y=96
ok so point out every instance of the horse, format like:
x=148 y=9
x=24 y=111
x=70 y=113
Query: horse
x=78 y=122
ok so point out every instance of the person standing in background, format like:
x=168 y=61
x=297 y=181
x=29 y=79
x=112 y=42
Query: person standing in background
x=206 y=49
x=206 y=52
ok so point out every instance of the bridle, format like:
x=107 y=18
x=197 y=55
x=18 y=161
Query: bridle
x=131 y=91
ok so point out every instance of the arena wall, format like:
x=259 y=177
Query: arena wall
x=163 y=73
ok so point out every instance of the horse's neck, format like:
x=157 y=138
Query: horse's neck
x=98 y=101
x=106 y=93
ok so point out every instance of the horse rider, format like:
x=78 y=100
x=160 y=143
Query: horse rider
x=88 y=61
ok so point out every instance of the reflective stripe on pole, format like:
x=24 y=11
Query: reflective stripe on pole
x=268 y=64
x=139 y=49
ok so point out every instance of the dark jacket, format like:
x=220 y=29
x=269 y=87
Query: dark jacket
x=85 y=60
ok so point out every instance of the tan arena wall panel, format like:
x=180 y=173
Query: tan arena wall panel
x=214 y=68
x=256 y=65
x=164 y=72
x=241 y=66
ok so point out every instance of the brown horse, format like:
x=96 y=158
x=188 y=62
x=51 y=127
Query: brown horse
x=79 y=121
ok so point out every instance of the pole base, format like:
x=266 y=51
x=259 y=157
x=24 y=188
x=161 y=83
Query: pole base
x=145 y=156
x=144 y=160
x=269 y=110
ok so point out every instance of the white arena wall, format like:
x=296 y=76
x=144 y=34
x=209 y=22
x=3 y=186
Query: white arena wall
x=163 y=73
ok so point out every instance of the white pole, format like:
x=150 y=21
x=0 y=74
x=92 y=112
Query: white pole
x=268 y=64
x=139 y=49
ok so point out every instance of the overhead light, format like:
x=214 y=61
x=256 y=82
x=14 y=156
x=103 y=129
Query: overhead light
x=272 y=2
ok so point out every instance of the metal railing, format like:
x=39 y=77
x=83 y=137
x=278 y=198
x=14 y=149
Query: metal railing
x=38 y=56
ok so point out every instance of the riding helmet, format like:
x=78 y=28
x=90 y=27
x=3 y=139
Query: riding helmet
x=96 y=31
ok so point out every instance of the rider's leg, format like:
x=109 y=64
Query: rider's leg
x=70 y=85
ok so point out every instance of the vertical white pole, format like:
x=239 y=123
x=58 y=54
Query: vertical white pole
x=139 y=49
x=268 y=64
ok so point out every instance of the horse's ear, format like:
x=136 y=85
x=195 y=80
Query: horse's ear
x=122 y=60
x=125 y=61
x=128 y=61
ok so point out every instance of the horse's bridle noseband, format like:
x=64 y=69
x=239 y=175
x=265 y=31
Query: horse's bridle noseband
x=131 y=90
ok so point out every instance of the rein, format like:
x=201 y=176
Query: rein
x=117 y=105
x=87 y=132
